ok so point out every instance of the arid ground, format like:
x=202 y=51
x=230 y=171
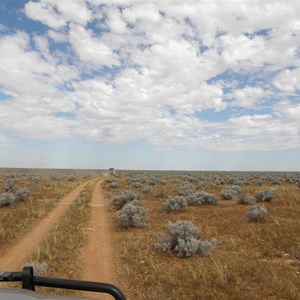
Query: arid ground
x=67 y=228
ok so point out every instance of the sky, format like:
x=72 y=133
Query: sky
x=166 y=85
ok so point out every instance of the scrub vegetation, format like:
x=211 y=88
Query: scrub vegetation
x=176 y=235
x=244 y=251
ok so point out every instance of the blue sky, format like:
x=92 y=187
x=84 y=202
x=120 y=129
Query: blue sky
x=187 y=85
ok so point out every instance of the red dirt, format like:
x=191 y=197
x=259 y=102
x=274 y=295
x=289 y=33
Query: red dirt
x=16 y=256
x=97 y=256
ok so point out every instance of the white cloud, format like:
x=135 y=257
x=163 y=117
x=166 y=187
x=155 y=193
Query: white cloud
x=56 y=13
x=57 y=36
x=91 y=49
x=161 y=56
x=289 y=112
x=248 y=97
x=288 y=80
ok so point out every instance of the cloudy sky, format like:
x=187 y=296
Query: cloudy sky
x=193 y=85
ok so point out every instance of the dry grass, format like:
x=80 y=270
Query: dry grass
x=17 y=220
x=251 y=260
x=61 y=250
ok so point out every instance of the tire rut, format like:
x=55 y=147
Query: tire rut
x=97 y=256
x=19 y=252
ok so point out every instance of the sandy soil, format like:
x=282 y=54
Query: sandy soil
x=16 y=256
x=97 y=256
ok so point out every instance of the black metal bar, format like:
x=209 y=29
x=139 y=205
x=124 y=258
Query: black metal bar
x=29 y=282
x=27 y=278
x=80 y=285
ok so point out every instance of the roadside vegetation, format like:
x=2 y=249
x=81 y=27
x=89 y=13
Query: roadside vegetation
x=31 y=196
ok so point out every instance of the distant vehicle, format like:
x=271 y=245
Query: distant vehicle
x=29 y=281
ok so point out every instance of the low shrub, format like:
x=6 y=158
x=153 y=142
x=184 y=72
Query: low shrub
x=230 y=192
x=113 y=185
x=245 y=199
x=136 y=184
x=185 y=189
x=35 y=178
x=258 y=183
x=175 y=204
x=201 y=184
x=266 y=195
x=206 y=247
x=122 y=198
x=21 y=193
x=57 y=177
x=147 y=189
x=7 y=199
x=202 y=198
x=183 y=239
x=72 y=178
x=10 y=185
x=132 y=215
x=257 y=213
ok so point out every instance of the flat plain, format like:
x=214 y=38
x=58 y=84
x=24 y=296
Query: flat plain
x=252 y=260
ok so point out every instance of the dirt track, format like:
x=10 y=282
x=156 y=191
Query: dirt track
x=16 y=256
x=97 y=256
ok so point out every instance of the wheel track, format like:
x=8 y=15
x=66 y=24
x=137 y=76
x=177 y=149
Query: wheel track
x=97 y=256
x=21 y=250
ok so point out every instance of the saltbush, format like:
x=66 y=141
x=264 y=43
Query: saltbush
x=136 y=184
x=132 y=215
x=245 y=199
x=257 y=213
x=266 y=195
x=7 y=199
x=35 y=178
x=72 y=178
x=10 y=185
x=185 y=189
x=57 y=177
x=183 y=239
x=230 y=192
x=202 y=198
x=113 y=185
x=205 y=247
x=21 y=193
x=175 y=204
x=122 y=198
x=147 y=189
x=202 y=184
x=258 y=183
x=227 y=194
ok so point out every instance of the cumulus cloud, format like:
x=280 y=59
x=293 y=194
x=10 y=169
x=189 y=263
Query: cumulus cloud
x=122 y=71
x=56 y=13
x=91 y=49
x=248 y=97
x=288 y=80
